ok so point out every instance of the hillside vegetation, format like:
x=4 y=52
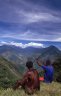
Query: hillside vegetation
x=57 y=68
x=8 y=73
x=53 y=89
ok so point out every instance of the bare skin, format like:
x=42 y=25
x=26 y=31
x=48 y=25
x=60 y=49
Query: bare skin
x=39 y=62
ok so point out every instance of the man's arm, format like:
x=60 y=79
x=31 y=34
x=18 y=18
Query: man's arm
x=17 y=84
x=38 y=62
x=20 y=82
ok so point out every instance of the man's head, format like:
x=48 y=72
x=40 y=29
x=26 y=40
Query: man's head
x=29 y=64
x=48 y=62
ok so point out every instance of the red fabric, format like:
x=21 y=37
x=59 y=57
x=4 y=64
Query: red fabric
x=41 y=78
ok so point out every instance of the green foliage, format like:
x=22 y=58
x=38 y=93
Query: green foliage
x=8 y=75
x=57 y=67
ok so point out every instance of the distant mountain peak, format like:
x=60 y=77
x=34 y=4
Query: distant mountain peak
x=52 y=46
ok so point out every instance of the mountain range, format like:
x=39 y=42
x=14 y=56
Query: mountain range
x=20 y=55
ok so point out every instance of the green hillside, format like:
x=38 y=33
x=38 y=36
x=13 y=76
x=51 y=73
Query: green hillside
x=53 y=89
x=8 y=73
x=57 y=68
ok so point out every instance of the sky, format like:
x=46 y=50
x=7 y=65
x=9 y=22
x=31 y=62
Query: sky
x=34 y=23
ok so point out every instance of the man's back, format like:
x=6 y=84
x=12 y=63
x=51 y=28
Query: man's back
x=32 y=79
x=48 y=75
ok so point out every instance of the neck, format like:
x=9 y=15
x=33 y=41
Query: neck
x=30 y=68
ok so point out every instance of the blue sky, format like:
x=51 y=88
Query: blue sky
x=30 y=21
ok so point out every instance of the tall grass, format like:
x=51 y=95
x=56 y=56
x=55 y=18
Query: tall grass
x=53 y=89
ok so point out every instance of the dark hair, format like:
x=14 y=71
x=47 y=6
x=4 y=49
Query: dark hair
x=48 y=62
x=29 y=64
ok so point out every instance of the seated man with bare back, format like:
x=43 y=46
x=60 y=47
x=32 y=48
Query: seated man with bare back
x=30 y=81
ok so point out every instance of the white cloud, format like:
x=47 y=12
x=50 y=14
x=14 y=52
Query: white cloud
x=58 y=39
x=33 y=36
x=30 y=17
x=15 y=11
x=31 y=44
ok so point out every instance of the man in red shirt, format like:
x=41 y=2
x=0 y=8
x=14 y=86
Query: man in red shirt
x=30 y=80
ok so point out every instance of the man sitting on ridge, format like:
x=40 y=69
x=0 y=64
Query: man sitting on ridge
x=30 y=81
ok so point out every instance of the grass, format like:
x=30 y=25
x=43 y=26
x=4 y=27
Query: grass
x=53 y=89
